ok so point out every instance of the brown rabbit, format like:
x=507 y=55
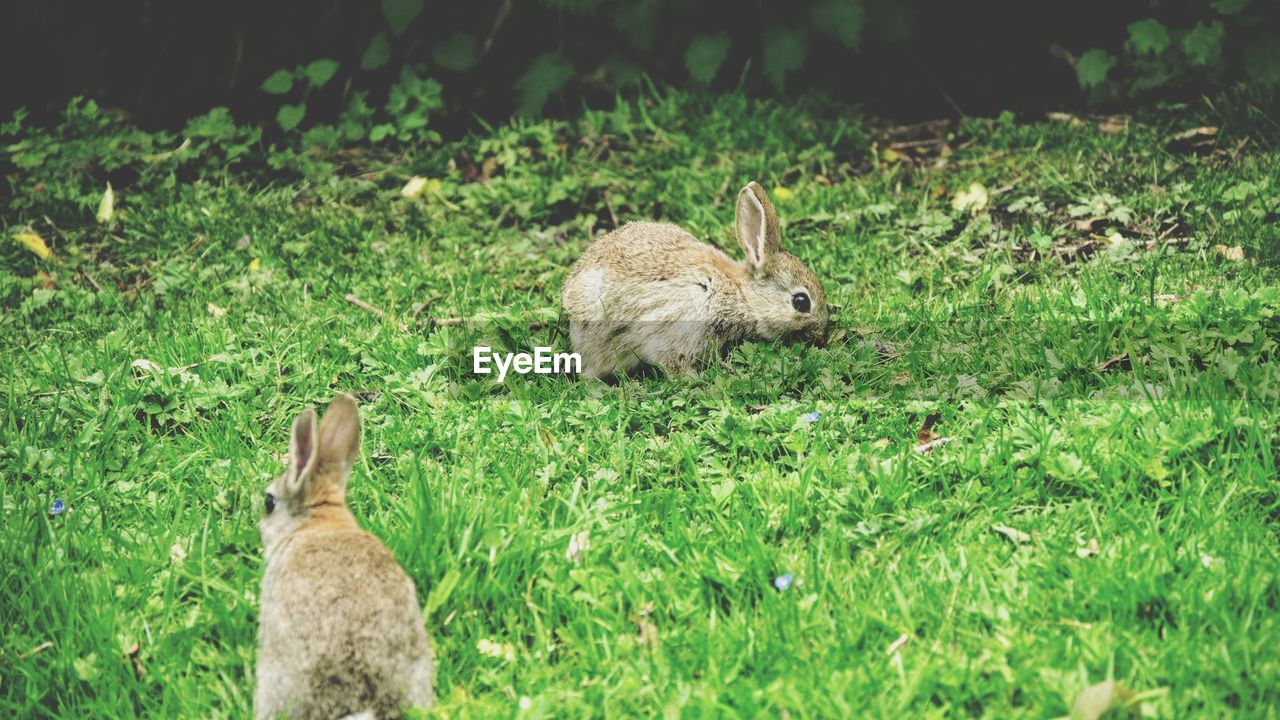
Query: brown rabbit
x=652 y=294
x=341 y=631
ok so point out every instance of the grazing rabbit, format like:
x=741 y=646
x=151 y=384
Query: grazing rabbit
x=341 y=630
x=652 y=294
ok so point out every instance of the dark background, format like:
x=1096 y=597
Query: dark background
x=162 y=61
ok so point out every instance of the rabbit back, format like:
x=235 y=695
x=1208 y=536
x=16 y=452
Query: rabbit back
x=650 y=293
x=341 y=631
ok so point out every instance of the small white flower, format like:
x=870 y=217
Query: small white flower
x=177 y=554
x=525 y=702
x=579 y=544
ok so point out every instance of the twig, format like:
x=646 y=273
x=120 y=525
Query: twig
x=926 y=447
x=37 y=649
x=351 y=298
x=92 y=282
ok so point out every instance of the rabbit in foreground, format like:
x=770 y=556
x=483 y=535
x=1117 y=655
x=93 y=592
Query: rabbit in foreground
x=652 y=294
x=341 y=630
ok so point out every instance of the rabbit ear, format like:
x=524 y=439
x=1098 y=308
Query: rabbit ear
x=757 y=225
x=340 y=433
x=302 y=452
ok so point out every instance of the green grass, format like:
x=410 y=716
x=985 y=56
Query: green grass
x=696 y=491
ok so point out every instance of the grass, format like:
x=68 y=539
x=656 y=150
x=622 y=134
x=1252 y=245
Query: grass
x=1087 y=520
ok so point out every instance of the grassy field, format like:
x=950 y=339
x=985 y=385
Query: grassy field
x=1088 y=313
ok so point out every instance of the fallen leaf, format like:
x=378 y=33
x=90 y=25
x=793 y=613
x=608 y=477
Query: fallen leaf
x=1122 y=359
x=132 y=654
x=1016 y=536
x=255 y=265
x=647 y=634
x=1088 y=550
x=45 y=281
x=1064 y=117
x=414 y=187
x=1090 y=225
x=35 y=244
x=107 y=206
x=926 y=429
x=890 y=155
x=145 y=364
x=243 y=242
x=783 y=194
x=972 y=199
x=1234 y=252
x=1114 y=124
x=177 y=554
x=1095 y=700
x=1201 y=139
x=880 y=444
x=1168 y=298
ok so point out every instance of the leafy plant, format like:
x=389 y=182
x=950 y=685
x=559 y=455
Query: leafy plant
x=1226 y=39
x=310 y=77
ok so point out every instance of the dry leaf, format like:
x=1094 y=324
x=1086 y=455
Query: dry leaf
x=647 y=634
x=132 y=654
x=972 y=199
x=145 y=364
x=1113 y=125
x=1199 y=140
x=926 y=429
x=414 y=187
x=1064 y=117
x=880 y=444
x=1088 y=550
x=45 y=281
x=1090 y=225
x=1115 y=360
x=107 y=207
x=35 y=244
x=1234 y=252
x=255 y=265
x=1017 y=536
x=1095 y=700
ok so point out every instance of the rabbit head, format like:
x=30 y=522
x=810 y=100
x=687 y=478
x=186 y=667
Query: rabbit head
x=320 y=460
x=784 y=298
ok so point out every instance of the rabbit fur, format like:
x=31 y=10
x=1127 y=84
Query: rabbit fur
x=341 y=631
x=652 y=294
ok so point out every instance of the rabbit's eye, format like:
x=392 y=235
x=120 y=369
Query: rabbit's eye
x=271 y=503
x=800 y=301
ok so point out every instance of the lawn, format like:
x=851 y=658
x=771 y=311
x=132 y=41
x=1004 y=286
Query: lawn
x=1087 y=312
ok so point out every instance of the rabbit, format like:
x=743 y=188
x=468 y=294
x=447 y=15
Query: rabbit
x=652 y=294
x=341 y=632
